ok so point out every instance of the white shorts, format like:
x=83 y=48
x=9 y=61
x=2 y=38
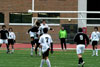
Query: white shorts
x=80 y=49
x=32 y=34
x=3 y=41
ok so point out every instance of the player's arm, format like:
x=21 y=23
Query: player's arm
x=75 y=38
x=51 y=48
x=29 y=30
x=51 y=45
x=40 y=41
x=87 y=39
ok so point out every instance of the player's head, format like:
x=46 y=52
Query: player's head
x=3 y=27
x=80 y=30
x=62 y=28
x=95 y=28
x=45 y=30
x=37 y=23
x=43 y=22
x=10 y=29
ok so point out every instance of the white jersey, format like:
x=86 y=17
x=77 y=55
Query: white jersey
x=45 y=41
x=42 y=27
x=95 y=36
x=11 y=35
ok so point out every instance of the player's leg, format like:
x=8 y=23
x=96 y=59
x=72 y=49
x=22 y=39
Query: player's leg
x=43 y=59
x=80 y=50
x=1 y=42
x=33 y=44
x=48 y=62
x=40 y=49
x=93 y=47
x=96 y=50
x=37 y=45
x=7 y=46
x=47 y=59
x=61 y=40
x=64 y=43
x=12 y=44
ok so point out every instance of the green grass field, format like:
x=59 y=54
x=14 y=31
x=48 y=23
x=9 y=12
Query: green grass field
x=22 y=58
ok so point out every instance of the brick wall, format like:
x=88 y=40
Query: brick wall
x=7 y=6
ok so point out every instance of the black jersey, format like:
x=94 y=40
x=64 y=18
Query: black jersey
x=4 y=34
x=81 y=38
x=33 y=29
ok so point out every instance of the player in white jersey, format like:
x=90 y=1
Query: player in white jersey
x=42 y=26
x=45 y=42
x=11 y=39
x=95 y=39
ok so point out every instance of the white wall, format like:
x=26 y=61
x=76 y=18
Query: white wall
x=82 y=6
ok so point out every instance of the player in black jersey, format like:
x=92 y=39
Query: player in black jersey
x=81 y=39
x=4 y=37
x=34 y=38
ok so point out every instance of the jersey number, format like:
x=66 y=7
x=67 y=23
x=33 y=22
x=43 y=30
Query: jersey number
x=47 y=39
x=81 y=37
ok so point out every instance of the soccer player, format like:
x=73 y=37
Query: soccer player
x=44 y=25
x=45 y=42
x=37 y=39
x=81 y=39
x=63 y=36
x=4 y=37
x=11 y=39
x=34 y=38
x=95 y=39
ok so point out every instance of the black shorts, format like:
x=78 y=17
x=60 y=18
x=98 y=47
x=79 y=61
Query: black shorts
x=36 y=41
x=94 y=43
x=10 y=41
x=62 y=40
x=45 y=54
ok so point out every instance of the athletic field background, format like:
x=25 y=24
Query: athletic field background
x=66 y=58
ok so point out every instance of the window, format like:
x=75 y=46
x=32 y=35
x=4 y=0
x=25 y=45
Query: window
x=20 y=18
x=1 y=18
x=50 y=21
x=93 y=5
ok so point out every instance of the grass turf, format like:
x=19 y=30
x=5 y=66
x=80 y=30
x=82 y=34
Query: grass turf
x=22 y=58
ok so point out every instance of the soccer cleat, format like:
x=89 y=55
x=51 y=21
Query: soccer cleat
x=93 y=55
x=39 y=54
x=8 y=52
x=31 y=54
x=79 y=65
x=97 y=55
x=83 y=64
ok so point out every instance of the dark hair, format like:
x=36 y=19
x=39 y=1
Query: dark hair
x=38 y=23
x=45 y=30
x=96 y=28
x=3 y=26
x=80 y=30
x=43 y=21
x=10 y=29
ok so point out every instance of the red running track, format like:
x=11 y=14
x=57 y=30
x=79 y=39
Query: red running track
x=56 y=46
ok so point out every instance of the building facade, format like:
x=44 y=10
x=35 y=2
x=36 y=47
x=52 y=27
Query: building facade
x=14 y=13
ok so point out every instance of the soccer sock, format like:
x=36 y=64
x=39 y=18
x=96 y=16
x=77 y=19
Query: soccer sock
x=42 y=62
x=48 y=63
x=93 y=52
x=13 y=50
x=80 y=60
x=39 y=51
x=32 y=50
x=7 y=48
x=96 y=51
